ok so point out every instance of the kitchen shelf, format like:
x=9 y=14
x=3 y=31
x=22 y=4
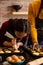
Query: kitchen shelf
x=20 y=13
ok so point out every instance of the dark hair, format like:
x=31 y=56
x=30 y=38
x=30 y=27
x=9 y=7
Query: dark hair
x=20 y=25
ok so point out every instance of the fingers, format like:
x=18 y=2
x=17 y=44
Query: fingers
x=15 y=47
x=20 y=43
x=13 y=41
x=35 y=46
x=31 y=46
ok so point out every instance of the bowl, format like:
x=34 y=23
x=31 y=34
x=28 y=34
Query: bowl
x=17 y=63
x=16 y=7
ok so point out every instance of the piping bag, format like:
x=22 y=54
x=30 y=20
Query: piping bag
x=7 y=34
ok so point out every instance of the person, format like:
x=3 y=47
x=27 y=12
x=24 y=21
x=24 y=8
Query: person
x=19 y=28
x=35 y=17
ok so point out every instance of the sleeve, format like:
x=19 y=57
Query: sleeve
x=31 y=19
x=2 y=32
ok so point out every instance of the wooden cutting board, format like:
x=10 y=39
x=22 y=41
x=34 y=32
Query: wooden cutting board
x=36 y=62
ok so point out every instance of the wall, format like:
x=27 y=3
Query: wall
x=5 y=13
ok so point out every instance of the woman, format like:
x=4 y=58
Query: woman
x=35 y=17
x=19 y=29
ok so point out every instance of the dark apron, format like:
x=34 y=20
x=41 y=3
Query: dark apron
x=39 y=26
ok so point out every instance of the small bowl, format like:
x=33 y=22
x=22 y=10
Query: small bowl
x=16 y=7
x=17 y=63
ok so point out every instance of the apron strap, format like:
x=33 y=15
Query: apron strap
x=25 y=45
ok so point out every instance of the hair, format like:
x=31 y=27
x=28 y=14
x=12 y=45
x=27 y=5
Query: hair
x=20 y=25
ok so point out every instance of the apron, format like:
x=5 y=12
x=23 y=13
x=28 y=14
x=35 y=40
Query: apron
x=39 y=26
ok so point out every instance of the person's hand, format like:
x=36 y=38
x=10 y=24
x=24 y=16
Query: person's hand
x=13 y=41
x=35 y=46
x=19 y=44
x=14 y=44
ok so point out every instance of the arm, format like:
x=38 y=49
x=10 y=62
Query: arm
x=12 y=43
x=2 y=32
x=33 y=30
x=6 y=43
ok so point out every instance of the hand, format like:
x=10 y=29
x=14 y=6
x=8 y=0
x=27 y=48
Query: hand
x=19 y=44
x=14 y=44
x=13 y=41
x=35 y=46
x=31 y=46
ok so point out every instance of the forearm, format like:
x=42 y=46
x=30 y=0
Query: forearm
x=33 y=33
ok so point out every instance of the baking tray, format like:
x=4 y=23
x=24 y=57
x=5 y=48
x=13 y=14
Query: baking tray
x=4 y=55
x=8 y=48
x=28 y=50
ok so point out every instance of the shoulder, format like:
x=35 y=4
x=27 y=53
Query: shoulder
x=34 y=7
x=5 y=24
x=35 y=3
